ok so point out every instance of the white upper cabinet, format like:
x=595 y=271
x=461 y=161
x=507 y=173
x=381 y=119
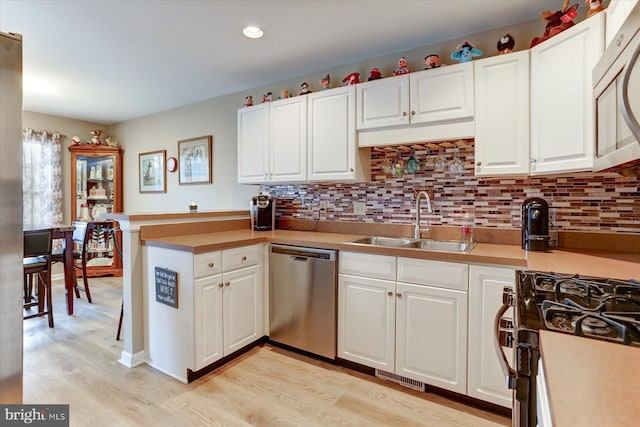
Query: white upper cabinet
x=272 y=142
x=383 y=102
x=332 y=151
x=288 y=140
x=562 y=111
x=253 y=144
x=502 y=114
x=427 y=105
x=442 y=94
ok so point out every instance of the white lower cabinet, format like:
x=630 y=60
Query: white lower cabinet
x=416 y=330
x=486 y=381
x=220 y=307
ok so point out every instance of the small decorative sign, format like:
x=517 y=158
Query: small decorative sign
x=167 y=287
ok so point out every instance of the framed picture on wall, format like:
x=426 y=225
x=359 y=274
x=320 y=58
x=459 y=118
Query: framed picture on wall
x=152 y=174
x=195 y=160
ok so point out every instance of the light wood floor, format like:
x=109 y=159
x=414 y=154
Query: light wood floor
x=76 y=363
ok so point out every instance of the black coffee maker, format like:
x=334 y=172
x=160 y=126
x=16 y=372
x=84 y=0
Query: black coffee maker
x=263 y=213
x=535 y=225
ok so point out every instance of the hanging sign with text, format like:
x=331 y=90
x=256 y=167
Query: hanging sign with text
x=167 y=287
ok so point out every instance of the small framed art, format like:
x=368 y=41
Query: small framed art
x=195 y=160
x=152 y=174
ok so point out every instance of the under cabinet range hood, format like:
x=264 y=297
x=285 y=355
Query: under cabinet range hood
x=616 y=95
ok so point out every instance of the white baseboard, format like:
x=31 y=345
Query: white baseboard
x=132 y=360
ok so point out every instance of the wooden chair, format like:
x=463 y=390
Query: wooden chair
x=81 y=237
x=36 y=263
x=112 y=234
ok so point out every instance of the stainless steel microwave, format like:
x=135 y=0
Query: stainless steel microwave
x=616 y=95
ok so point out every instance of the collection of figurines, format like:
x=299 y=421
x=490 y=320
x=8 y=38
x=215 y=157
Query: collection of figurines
x=464 y=52
x=95 y=139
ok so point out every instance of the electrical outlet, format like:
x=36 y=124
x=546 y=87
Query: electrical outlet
x=359 y=208
x=323 y=206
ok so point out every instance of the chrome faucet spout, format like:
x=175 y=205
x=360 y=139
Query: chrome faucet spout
x=419 y=228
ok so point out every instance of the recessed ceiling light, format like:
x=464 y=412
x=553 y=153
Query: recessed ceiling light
x=253 y=32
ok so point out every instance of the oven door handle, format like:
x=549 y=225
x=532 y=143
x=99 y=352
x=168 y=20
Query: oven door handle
x=509 y=372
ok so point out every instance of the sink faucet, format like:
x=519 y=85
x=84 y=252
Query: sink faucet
x=418 y=230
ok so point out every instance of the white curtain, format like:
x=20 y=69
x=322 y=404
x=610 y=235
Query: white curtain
x=41 y=178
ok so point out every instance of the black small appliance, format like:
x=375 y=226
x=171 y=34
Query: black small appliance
x=535 y=225
x=263 y=213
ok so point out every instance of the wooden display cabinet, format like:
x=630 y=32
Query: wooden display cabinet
x=96 y=188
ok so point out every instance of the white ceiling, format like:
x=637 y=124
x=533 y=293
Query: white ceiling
x=107 y=61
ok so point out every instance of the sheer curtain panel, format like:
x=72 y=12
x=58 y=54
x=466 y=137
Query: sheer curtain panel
x=42 y=177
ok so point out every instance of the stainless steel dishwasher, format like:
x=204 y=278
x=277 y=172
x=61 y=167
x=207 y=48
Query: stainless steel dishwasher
x=303 y=298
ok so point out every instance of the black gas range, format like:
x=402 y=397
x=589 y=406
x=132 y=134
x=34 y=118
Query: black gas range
x=591 y=307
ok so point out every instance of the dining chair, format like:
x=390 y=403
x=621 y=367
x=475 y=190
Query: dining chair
x=81 y=237
x=113 y=234
x=36 y=264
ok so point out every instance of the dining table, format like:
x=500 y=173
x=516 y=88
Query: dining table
x=61 y=231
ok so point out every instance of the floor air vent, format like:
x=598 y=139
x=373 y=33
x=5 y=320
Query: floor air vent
x=406 y=382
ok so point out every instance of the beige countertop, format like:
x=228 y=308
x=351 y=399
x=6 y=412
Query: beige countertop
x=591 y=382
x=594 y=263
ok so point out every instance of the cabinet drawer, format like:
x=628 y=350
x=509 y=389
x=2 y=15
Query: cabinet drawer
x=206 y=264
x=440 y=274
x=235 y=258
x=368 y=265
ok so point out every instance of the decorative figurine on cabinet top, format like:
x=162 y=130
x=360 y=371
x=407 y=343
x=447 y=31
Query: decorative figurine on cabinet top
x=304 y=89
x=506 y=44
x=248 y=101
x=352 y=79
x=76 y=140
x=594 y=6
x=557 y=22
x=374 y=74
x=325 y=82
x=284 y=94
x=402 y=67
x=432 y=61
x=111 y=142
x=266 y=97
x=95 y=140
x=465 y=52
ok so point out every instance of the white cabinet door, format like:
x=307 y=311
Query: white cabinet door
x=253 y=144
x=562 y=110
x=366 y=321
x=332 y=135
x=242 y=308
x=431 y=335
x=383 y=103
x=442 y=94
x=486 y=380
x=502 y=114
x=207 y=300
x=288 y=140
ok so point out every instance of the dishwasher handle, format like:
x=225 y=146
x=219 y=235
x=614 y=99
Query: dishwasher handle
x=299 y=258
x=301 y=252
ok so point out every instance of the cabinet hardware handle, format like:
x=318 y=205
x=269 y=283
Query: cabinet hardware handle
x=227 y=283
x=404 y=114
x=244 y=258
x=390 y=293
x=479 y=164
x=413 y=113
x=220 y=285
x=350 y=169
x=533 y=160
x=399 y=295
x=210 y=265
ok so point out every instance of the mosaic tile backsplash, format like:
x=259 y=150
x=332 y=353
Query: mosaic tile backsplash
x=584 y=202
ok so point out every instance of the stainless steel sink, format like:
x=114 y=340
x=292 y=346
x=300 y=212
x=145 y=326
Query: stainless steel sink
x=394 y=242
x=423 y=244
x=442 y=245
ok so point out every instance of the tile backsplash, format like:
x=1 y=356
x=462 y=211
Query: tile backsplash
x=583 y=201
